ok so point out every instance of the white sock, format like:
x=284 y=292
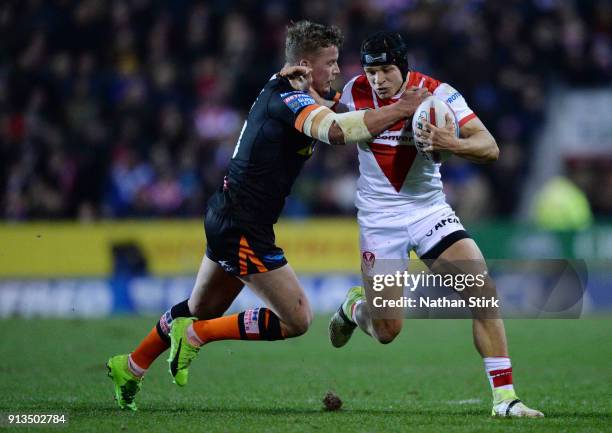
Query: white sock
x=134 y=368
x=499 y=373
x=354 y=310
x=193 y=338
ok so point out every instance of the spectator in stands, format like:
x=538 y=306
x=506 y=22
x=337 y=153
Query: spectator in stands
x=90 y=91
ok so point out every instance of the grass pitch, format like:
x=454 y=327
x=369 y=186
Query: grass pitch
x=429 y=380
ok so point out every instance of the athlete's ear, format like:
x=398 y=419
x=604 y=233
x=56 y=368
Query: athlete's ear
x=305 y=62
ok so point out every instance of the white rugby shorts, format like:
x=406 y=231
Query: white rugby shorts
x=386 y=238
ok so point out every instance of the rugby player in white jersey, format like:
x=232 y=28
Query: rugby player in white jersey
x=401 y=207
x=277 y=139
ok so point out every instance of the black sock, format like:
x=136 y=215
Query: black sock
x=163 y=324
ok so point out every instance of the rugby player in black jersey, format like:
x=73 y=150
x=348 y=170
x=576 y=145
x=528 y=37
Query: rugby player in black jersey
x=276 y=140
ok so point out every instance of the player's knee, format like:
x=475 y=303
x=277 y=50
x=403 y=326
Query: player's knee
x=489 y=286
x=299 y=328
x=197 y=308
x=487 y=290
x=385 y=331
x=204 y=310
x=298 y=324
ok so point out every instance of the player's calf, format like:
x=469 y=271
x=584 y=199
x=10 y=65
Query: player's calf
x=188 y=335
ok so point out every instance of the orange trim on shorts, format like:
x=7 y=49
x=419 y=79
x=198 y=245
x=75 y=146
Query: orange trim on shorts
x=246 y=253
x=299 y=121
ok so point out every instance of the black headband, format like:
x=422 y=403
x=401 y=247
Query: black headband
x=395 y=57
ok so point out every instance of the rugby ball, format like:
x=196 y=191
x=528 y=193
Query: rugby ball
x=433 y=110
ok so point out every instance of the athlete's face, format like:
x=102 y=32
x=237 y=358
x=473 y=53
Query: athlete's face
x=386 y=80
x=324 y=64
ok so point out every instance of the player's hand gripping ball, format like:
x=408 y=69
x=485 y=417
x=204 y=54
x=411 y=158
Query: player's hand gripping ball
x=436 y=112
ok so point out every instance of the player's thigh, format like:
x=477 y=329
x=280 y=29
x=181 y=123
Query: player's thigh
x=443 y=244
x=464 y=259
x=283 y=293
x=446 y=248
x=435 y=229
x=214 y=290
x=463 y=249
x=384 y=248
x=383 y=237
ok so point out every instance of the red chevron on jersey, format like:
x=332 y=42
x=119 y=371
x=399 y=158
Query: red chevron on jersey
x=394 y=161
x=393 y=176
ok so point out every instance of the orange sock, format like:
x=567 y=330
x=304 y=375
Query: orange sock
x=254 y=324
x=223 y=328
x=149 y=349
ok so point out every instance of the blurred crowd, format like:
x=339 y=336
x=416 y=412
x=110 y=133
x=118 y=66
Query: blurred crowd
x=131 y=108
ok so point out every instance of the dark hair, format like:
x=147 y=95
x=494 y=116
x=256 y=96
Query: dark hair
x=306 y=37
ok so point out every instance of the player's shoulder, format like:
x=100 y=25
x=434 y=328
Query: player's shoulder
x=357 y=93
x=278 y=85
x=358 y=83
x=269 y=96
x=283 y=96
x=418 y=79
x=439 y=88
x=280 y=88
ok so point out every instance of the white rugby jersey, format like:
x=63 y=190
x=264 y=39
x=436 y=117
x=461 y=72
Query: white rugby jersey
x=392 y=174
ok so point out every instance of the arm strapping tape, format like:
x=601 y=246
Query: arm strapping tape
x=319 y=121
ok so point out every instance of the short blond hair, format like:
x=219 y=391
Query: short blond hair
x=306 y=37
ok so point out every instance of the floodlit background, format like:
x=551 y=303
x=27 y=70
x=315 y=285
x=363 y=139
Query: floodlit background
x=118 y=120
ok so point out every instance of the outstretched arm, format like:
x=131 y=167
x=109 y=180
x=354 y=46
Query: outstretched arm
x=357 y=126
x=343 y=127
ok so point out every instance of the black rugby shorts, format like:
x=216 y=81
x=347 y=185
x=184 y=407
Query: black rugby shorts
x=241 y=248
